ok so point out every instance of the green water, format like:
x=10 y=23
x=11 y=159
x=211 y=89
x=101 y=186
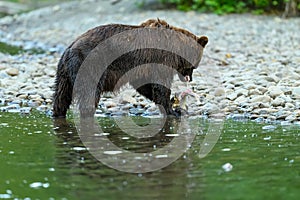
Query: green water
x=41 y=159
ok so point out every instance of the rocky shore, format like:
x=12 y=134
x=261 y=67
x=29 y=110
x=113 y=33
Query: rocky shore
x=250 y=68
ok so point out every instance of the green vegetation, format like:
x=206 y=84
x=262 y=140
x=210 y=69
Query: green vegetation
x=232 y=6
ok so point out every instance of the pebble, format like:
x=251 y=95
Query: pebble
x=219 y=92
x=126 y=98
x=12 y=71
x=260 y=80
x=278 y=101
x=261 y=99
x=274 y=91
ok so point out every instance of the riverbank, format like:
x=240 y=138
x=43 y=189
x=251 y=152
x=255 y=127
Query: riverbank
x=250 y=68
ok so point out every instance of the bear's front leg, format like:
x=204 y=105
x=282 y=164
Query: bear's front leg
x=160 y=95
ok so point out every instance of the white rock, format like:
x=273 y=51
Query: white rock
x=278 y=101
x=274 y=91
x=289 y=105
x=219 y=92
x=241 y=99
x=242 y=91
x=291 y=118
x=296 y=92
x=261 y=98
x=232 y=96
x=110 y=104
x=254 y=92
x=126 y=98
x=12 y=71
x=211 y=108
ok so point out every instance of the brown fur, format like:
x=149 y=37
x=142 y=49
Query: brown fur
x=117 y=74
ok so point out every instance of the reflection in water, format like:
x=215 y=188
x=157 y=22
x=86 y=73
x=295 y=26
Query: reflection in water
x=73 y=155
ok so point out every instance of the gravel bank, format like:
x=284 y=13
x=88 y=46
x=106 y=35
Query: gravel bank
x=250 y=68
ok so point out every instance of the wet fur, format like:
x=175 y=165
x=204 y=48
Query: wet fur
x=114 y=78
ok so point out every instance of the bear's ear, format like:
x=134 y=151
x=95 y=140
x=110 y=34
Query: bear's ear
x=203 y=40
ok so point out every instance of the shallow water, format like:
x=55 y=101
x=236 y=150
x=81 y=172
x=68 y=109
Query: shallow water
x=44 y=159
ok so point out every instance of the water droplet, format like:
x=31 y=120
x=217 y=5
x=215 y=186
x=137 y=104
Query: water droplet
x=161 y=156
x=267 y=138
x=79 y=148
x=269 y=127
x=46 y=185
x=172 y=135
x=51 y=169
x=112 y=152
x=36 y=185
x=226 y=149
x=227 y=167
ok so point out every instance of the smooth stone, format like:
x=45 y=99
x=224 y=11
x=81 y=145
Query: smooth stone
x=25 y=110
x=250 y=86
x=261 y=98
x=296 y=92
x=241 y=100
x=264 y=111
x=262 y=89
x=271 y=79
x=219 y=92
x=278 y=101
x=289 y=106
x=34 y=96
x=23 y=96
x=291 y=118
x=254 y=92
x=33 y=103
x=282 y=114
x=274 y=91
x=126 y=98
x=260 y=105
x=232 y=96
x=242 y=91
x=12 y=71
x=42 y=108
x=210 y=108
x=127 y=106
x=50 y=72
x=109 y=104
x=152 y=108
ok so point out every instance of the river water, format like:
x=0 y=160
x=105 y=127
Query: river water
x=45 y=159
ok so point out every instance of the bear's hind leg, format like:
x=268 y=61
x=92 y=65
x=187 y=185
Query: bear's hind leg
x=62 y=97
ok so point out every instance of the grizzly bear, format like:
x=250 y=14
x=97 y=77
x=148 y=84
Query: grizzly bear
x=74 y=57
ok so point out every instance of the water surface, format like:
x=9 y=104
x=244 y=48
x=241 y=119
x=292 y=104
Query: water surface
x=42 y=159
